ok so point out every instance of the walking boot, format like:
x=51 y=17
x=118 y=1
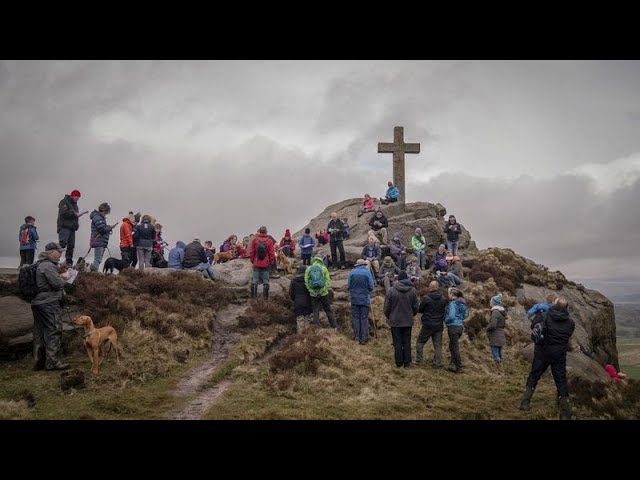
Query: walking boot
x=565 y=408
x=265 y=291
x=57 y=365
x=254 y=290
x=38 y=357
x=526 y=398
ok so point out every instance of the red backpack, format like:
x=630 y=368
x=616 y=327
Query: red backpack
x=24 y=236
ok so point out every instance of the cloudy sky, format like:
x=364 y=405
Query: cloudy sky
x=542 y=157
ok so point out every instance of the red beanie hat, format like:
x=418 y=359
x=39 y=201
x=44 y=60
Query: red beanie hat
x=75 y=193
x=287 y=233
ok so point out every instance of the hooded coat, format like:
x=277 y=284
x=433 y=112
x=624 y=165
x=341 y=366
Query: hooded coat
x=495 y=329
x=299 y=293
x=176 y=256
x=324 y=291
x=360 y=285
x=100 y=231
x=401 y=304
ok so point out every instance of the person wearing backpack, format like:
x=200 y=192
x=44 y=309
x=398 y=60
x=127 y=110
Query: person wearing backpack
x=306 y=246
x=360 y=286
x=433 y=308
x=27 y=236
x=456 y=313
x=262 y=256
x=68 y=215
x=144 y=235
x=336 y=232
x=552 y=352
x=47 y=309
x=317 y=280
x=100 y=233
x=400 y=306
x=495 y=329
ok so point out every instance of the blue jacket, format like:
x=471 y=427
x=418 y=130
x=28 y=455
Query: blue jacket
x=392 y=192
x=370 y=252
x=457 y=313
x=360 y=285
x=539 y=307
x=100 y=231
x=176 y=256
x=31 y=241
x=306 y=244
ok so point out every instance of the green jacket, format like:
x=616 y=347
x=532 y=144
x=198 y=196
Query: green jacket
x=416 y=243
x=324 y=291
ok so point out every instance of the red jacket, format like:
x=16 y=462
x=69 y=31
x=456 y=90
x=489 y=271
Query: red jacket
x=291 y=242
x=611 y=370
x=253 y=254
x=126 y=233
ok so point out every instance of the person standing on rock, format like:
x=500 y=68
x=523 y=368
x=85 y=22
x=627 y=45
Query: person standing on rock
x=336 y=236
x=392 y=195
x=379 y=225
x=552 y=352
x=47 y=310
x=306 y=243
x=287 y=244
x=143 y=235
x=400 y=306
x=495 y=329
x=317 y=280
x=434 y=309
x=28 y=238
x=453 y=230
x=302 y=307
x=100 y=233
x=360 y=286
x=454 y=320
x=419 y=244
x=262 y=255
x=68 y=215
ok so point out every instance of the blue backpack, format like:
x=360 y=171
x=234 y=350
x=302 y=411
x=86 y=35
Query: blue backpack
x=316 y=277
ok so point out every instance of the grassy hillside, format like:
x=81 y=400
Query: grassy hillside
x=627 y=319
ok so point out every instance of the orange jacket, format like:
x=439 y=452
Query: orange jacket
x=126 y=230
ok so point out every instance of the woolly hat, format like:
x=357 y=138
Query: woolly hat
x=287 y=233
x=497 y=300
x=396 y=234
x=402 y=275
x=196 y=238
x=53 y=246
x=419 y=231
x=75 y=193
x=307 y=230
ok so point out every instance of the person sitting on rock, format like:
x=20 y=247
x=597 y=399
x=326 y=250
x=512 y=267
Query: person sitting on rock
x=228 y=244
x=209 y=250
x=447 y=279
x=419 y=244
x=372 y=253
x=453 y=230
x=495 y=330
x=322 y=236
x=302 y=307
x=287 y=244
x=379 y=225
x=387 y=273
x=176 y=256
x=306 y=243
x=368 y=205
x=413 y=270
x=456 y=267
x=242 y=251
x=615 y=376
x=398 y=251
x=440 y=259
x=392 y=194
x=196 y=259
x=346 y=232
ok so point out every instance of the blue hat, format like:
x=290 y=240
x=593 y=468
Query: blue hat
x=497 y=300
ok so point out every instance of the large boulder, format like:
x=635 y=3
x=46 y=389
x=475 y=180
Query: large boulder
x=16 y=324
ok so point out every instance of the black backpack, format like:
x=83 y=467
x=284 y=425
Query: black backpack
x=261 y=249
x=538 y=331
x=27 y=285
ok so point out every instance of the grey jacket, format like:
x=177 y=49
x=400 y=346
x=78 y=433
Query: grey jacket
x=456 y=269
x=50 y=283
x=495 y=329
x=401 y=304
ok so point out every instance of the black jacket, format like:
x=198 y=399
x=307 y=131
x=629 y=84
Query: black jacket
x=67 y=214
x=339 y=234
x=453 y=231
x=383 y=220
x=194 y=255
x=300 y=296
x=144 y=234
x=558 y=331
x=401 y=304
x=433 y=309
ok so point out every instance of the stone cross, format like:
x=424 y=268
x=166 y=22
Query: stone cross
x=399 y=148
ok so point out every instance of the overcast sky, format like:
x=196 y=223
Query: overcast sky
x=542 y=157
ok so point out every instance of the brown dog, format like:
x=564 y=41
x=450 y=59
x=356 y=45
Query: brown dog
x=94 y=338
x=283 y=260
x=230 y=255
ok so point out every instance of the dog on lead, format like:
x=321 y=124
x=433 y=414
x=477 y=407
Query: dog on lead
x=116 y=263
x=283 y=260
x=95 y=338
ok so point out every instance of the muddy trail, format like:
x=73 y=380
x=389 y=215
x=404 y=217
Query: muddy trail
x=195 y=381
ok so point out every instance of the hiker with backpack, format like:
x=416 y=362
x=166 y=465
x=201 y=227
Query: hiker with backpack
x=360 y=286
x=144 y=235
x=287 y=244
x=434 y=309
x=419 y=244
x=262 y=255
x=100 y=233
x=456 y=313
x=555 y=328
x=306 y=243
x=44 y=285
x=336 y=236
x=302 y=307
x=495 y=329
x=317 y=280
x=68 y=215
x=453 y=230
x=400 y=306
x=28 y=238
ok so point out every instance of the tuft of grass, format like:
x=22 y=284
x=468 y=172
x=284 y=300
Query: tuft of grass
x=302 y=353
x=261 y=313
